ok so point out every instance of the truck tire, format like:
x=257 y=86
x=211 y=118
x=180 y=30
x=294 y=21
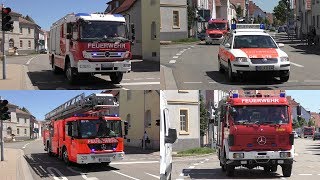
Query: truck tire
x=230 y=170
x=267 y=169
x=116 y=77
x=49 y=150
x=223 y=167
x=221 y=69
x=230 y=74
x=284 y=78
x=70 y=74
x=274 y=168
x=286 y=170
x=65 y=156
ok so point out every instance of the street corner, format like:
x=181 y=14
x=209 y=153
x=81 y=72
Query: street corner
x=16 y=78
x=167 y=79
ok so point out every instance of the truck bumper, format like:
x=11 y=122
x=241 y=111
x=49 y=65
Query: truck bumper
x=213 y=40
x=259 y=162
x=99 y=158
x=85 y=66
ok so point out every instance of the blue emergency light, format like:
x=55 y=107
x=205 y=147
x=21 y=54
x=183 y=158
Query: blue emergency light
x=282 y=94
x=235 y=95
x=117 y=15
x=81 y=115
x=112 y=115
x=82 y=14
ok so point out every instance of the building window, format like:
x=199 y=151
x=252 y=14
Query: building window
x=313 y=20
x=184 y=120
x=128 y=119
x=20 y=29
x=117 y=4
x=29 y=31
x=18 y=131
x=11 y=43
x=9 y=131
x=21 y=44
x=153 y=30
x=176 y=22
x=128 y=95
x=148 y=118
x=318 y=21
x=25 y=131
x=25 y=120
x=29 y=44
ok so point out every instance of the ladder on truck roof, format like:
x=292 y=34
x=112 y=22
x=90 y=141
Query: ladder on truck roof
x=82 y=104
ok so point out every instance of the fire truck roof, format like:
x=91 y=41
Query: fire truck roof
x=101 y=17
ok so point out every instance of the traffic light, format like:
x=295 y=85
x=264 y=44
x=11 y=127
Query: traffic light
x=7 y=24
x=4 y=114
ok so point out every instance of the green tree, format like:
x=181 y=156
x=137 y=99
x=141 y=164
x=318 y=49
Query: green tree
x=296 y=124
x=191 y=17
x=311 y=123
x=204 y=120
x=239 y=11
x=281 y=11
x=266 y=21
x=301 y=121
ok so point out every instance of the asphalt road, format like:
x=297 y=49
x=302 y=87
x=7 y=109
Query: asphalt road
x=195 y=66
x=306 y=165
x=136 y=165
x=144 y=75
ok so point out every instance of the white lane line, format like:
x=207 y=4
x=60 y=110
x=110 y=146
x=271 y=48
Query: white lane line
x=191 y=167
x=206 y=159
x=201 y=162
x=175 y=57
x=137 y=79
x=193 y=82
x=172 y=61
x=181 y=174
x=282 y=178
x=196 y=164
x=189 y=48
x=124 y=175
x=25 y=145
x=125 y=89
x=134 y=162
x=125 y=79
x=150 y=78
x=29 y=61
x=305 y=174
x=158 y=177
x=298 y=65
x=139 y=83
x=184 y=49
x=49 y=169
x=178 y=54
x=83 y=175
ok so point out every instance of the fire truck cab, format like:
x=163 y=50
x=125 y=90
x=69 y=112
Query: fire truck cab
x=82 y=45
x=78 y=134
x=255 y=131
x=216 y=30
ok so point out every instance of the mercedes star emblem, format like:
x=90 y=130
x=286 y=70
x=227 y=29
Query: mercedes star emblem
x=107 y=54
x=265 y=59
x=103 y=146
x=262 y=140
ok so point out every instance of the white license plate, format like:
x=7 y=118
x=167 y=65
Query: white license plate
x=106 y=65
x=262 y=157
x=264 y=68
x=106 y=159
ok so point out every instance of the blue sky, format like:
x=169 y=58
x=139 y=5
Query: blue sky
x=41 y=102
x=46 y=12
x=266 y=5
x=309 y=99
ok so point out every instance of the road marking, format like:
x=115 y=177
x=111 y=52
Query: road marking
x=175 y=57
x=125 y=79
x=25 y=145
x=189 y=48
x=172 y=61
x=137 y=79
x=83 y=175
x=28 y=62
x=191 y=167
x=158 y=177
x=282 y=178
x=150 y=78
x=181 y=174
x=49 y=169
x=193 y=82
x=305 y=174
x=196 y=164
x=298 y=65
x=192 y=46
x=201 y=162
x=134 y=162
x=124 y=175
x=139 y=83
x=179 y=54
x=125 y=89
x=206 y=159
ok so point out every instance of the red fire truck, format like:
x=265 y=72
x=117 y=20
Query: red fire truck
x=88 y=44
x=216 y=30
x=81 y=131
x=255 y=131
x=307 y=131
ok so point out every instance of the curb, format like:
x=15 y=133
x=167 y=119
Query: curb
x=26 y=80
x=25 y=168
x=167 y=79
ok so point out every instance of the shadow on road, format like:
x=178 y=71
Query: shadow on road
x=239 y=174
x=43 y=166
x=305 y=49
x=145 y=66
x=259 y=79
x=138 y=150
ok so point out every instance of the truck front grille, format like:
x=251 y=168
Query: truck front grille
x=101 y=147
x=264 y=60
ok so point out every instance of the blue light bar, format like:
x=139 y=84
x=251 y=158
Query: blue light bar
x=82 y=14
x=81 y=115
x=262 y=26
x=235 y=95
x=282 y=94
x=117 y=15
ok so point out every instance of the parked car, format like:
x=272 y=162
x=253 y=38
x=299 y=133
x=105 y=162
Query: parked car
x=295 y=134
x=316 y=136
x=281 y=29
x=202 y=35
x=43 y=51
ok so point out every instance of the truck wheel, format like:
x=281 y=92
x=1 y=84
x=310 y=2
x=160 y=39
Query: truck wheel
x=284 y=78
x=230 y=170
x=65 y=156
x=55 y=69
x=274 y=168
x=105 y=163
x=266 y=169
x=49 y=151
x=223 y=167
x=286 y=170
x=221 y=70
x=70 y=74
x=231 y=77
x=116 y=77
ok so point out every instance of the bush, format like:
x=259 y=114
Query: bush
x=196 y=151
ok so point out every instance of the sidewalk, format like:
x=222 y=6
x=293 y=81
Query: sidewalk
x=16 y=78
x=167 y=81
x=14 y=166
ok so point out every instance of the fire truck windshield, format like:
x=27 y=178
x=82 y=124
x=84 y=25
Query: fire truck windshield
x=103 y=31
x=218 y=26
x=253 y=41
x=100 y=128
x=260 y=115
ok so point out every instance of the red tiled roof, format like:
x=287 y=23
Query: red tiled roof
x=126 y=5
x=316 y=117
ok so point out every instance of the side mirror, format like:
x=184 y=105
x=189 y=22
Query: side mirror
x=227 y=45
x=133 y=32
x=281 y=45
x=126 y=128
x=172 y=136
x=69 y=36
x=233 y=112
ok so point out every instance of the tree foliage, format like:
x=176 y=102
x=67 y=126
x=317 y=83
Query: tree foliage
x=191 y=16
x=204 y=120
x=281 y=11
x=239 y=11
x=311 y=123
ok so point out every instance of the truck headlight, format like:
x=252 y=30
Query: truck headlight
x=238 y=155
x=285 y=154
x=83 y=157
x=284 y=59
x=127 y=54
x=242 y=59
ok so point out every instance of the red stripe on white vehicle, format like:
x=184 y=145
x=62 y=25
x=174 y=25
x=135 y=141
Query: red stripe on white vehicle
x=261 y=52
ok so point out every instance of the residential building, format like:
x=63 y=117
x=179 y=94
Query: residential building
x=305 y=114
x=141 y=109
x=184 y=116
x=305 y=17
x=173 y=20
x=11 y=37
x=256 y=12
x=316 y=118
x=143 y=16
